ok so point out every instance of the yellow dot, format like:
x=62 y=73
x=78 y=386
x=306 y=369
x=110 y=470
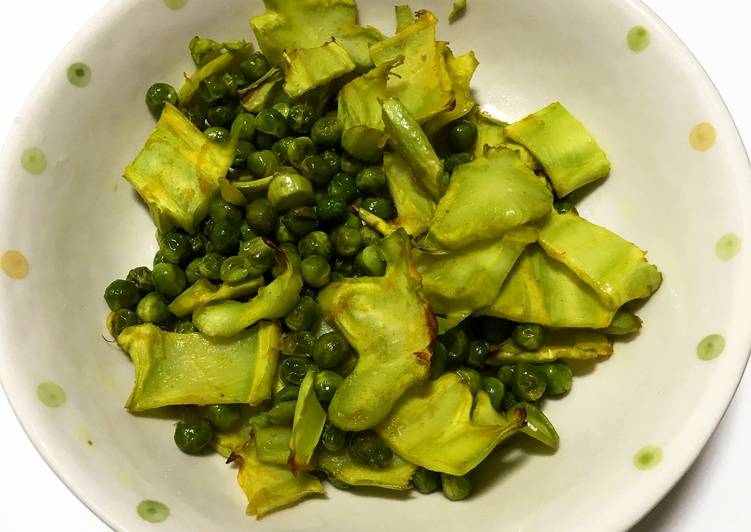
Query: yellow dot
x=14 y=264
x=703 y=136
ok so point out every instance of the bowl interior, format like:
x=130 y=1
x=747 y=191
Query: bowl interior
x=80 y=225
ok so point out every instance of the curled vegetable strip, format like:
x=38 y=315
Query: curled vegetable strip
x=307 y=425
x=390 y=325
x=308 y=68
x=415 y=207
x=397 y=476
x=203 y=292
x=563 y=343
x=227 y=318
x=191 y=369
x=435 y=426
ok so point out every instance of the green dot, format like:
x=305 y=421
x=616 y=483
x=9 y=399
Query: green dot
x=638 y=39
x=175 y=5
x=79 y=74
x=647 y=457
x=34 y=161
x=153 y=511
x=51 y=394
x=710 y=347
x=728 y=246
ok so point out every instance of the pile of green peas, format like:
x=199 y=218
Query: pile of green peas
x=309 y=218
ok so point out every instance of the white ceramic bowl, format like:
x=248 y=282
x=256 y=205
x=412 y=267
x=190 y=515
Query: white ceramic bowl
x=80 y=225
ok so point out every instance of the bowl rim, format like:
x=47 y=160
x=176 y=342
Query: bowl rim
x=629 y=516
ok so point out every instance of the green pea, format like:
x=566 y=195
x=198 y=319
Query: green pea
x=284 y=108
x=426 y=481
x=506 y=374
x=455 y=160
x=284 y=236
x=221 y=210
x=122 y=294
x=438 y=361
x=332 y=209
x=369 y=236
x=242 y=152
x=343 y=268
x=198 y=244
x=529 y=383
x=159 y=95
x=271 y=122
x=366 y=448
x=288 y=393
x=223 y=417
x=457 y=345
x=212 y=89
x=280 y=149
x=381 y=207
x=193 y=435
x=326 y=384
x=353 y=221
x=301 y=220
x=343 y=186
x=282 y=414
x=558 y=377
x=318 y=169
x=169 y=279
x=225 y=237
x=299 y=150
x=293 y=370
x=351 y=165
x=528 y=336
x=330 y=350
x=193 y=271
x=347 y=241
x=233 y=82
x=158 y=258
x=495 y=390
x=184 y=326
x=262 y=163
x=301 y=118
x=211 y=266
x=370 y=261
x=304 y=315
x=141 y=277
x=245 y=126
x=327 y=132
x=455 y=488
x=221 y=116
x=217 y=135
x=471 y=377
x=175 y=247
x=509 y=400
x=316 y=271
x=264 y=141
x=298 y=343
x=462 y=136
x=259 y=254
x=371 y=180
x=153 y=309
x=316 y=243
x=289 y=189
x=565 y=206
x=254 y=67
x=234 y=270
x=478 y=352
x=246 y=232
x=333 y=438
x=196 y=115
x=120 y=320
x=495 y=330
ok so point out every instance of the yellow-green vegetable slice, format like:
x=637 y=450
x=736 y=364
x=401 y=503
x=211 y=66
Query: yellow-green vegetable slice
x=260 y=94
x=203 y=292
x=191 y=369
x=414 y=206
x=308 y=68
x=397 y=476
x=613 y=267
x=572 y=344
x=307 y=425
x=624 y=322
x=438 y=426
x=487 y=198
x=177 y=172
x=564 y=147
x=404 y=17
x=539 y=427
x=460 y=69
x=390 y=325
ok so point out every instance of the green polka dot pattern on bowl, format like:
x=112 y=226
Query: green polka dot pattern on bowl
x=79 y=74
x=175 y=5
x=728 y=246
x=710 y=347
x=153 y=511
x=14 y=264
x=703 y=136
x=34 y=161
x=638 y=39
x=647 y=457
x=51 y=394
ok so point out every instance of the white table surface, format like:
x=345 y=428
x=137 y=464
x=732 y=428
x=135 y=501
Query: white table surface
x=713 y=495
